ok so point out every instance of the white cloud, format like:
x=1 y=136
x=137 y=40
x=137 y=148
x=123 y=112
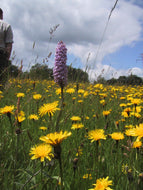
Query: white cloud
x=81 y=26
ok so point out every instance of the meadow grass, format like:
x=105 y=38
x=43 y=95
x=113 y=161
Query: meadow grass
x=81 y=161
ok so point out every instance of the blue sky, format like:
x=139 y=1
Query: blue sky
x=81 y=28
x=126 y=57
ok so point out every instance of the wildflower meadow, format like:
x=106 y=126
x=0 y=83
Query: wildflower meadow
x=56 y=135
x=90 y=138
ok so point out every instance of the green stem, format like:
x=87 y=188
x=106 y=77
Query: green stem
x=61 y=108
x=61 y=171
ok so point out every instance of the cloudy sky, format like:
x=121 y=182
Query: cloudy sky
x=110 y=49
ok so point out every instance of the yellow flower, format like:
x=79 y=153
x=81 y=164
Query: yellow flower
x=137 y=143
x=77 y=126
x=136 y=132
x=122 y=105
x=80 y=101
x=102 y=102
x=49 y=108
x=87 y=176
x=43 y=128
x=56 y=138
x=70 y=90
x=20 y=94
x=85 y=94
x=129 y=126
x=137 y=115
x=127 y=110
x=102 y=184
x=122 y=98
x=37 y=96
x=6 y=109
x=75 y=118
x=136 y=101
x=96 y=135
x=81 y=91
x=20 y=118
x=117 y=136
x=58 y=91
x=33 y=116
x=130 y=132
x=41 y=151
x=139 y=130
x=125 y=114
x=105 y=113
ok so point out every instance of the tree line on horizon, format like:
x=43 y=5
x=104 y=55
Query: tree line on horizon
x=43 y=72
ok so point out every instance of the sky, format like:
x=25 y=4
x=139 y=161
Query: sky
x=99 y=45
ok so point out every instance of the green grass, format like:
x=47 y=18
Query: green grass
x=107 y=158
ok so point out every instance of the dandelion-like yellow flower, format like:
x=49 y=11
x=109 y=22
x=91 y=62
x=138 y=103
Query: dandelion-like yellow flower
x=136 y=101
x=20 y=118
x=85 y=94
x=75 y=118
x=7 y=109
x=105 y=113
x=33 y=117
x=102 y=184
x=102 y=102
x=41 y=151
x=127 y=110
x=37 y=96
x=70 y=90
x=43 y=128
x=122 y=105
x=136 y=132
x=81 y=91
x=117 y=136
x=80 y=101
x=20 y=94
x=137 y=143
x=49 y=108
x=58 y=91
x=77 y=126
x=56 y=138
x=96 y=135
x=139 y=130
x=130 y=132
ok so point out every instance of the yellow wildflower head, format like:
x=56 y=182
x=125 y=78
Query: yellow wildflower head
x=75 y=118
x=77 y=126
x=20 y=94
x=37 y=96
x=6 y=109
x=56 y=138
x=81 y=91
x=70 y=90
x=102 y=184
x=43 y=128
x=49 y=108
x=105 y=113
x=96 y=135
x=41 y=152
x=137 y=143
x=33 y=117
x=117 y=136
